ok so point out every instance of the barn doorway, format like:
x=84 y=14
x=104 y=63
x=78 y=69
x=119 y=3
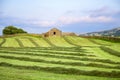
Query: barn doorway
x=54 y=33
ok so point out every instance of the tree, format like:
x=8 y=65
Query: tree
x=12 y=30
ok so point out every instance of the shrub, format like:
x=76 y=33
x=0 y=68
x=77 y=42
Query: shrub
x=12 y=30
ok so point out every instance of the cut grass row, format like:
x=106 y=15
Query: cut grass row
x=110 y=51
x=36 y=45
x=95 y=51
x=33 y=42
x=67 y=40
x=23 y=42
x=102 y=54
x=66 y=57
x=3 y=40
x=10 y=73
x=59 y=41
x=79 y=41
x=49 y=42
x=69 y=49
x=19 y=42
x=10 y=42
x=50 y=52
x=60 y=70
x=95 y=42
x=59 y=62
x=40 y=42
x=111 y=45
x=30 y=63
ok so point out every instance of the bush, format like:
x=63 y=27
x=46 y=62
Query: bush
x=12 y=30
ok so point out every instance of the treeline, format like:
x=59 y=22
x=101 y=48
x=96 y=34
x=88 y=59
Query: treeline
x=10 y=30
x=106 y=38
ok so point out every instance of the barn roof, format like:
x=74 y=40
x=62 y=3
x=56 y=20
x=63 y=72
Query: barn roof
x=55 y=29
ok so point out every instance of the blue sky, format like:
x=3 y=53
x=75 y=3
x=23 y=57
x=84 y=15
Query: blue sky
x=80 y=16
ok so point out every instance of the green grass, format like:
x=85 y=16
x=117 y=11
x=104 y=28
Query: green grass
x=111 y=45
x=23 y=74
x=40 y=41
x=115 y=46
x=26 y=42
x=0 y=40
x=80 y=41
x=58 y=58
x=59 y=41
x=10 y=42
x=103 y=55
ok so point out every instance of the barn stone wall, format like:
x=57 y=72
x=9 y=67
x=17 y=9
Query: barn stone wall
x=53 y=32
x=56 y=32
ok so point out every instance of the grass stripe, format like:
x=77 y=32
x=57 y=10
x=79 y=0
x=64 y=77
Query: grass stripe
x=60 y=70
x=50 y=52
x=110 y=51
x=49 y=42
x=68 y=57
x=67 y=40
x=33 y=42
x=59 y=62
x=3 y=41
x=19 y=42
x=95 y=42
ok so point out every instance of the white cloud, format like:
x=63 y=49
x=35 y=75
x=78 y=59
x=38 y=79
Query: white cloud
x=68 y=20
x=71 y=20
x=44 y=23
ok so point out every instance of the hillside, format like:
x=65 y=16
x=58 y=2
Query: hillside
x=33 y=41
x=27 y=57
x=112 y=32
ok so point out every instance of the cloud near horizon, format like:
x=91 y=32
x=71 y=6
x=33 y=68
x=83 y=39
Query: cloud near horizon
x=69 y=15
x=65 y=20
x=101 y=15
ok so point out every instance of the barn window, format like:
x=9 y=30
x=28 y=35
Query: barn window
x=54 y=33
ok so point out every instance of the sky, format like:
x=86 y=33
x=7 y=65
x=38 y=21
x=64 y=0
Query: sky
x=79 y=16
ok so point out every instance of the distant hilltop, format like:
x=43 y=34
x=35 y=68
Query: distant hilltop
x=113 y=33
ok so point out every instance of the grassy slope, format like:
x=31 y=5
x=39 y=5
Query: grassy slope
x=80 y=41
x=0 y=40
x=112 y=45
x=16 y=74
x=41 y=42
x=55 y=55
x=59 y=41
x=101 y=54
x=25 y=40
x=10 y=42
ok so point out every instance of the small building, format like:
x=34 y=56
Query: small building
x=57 y=32
x=68 y=34
x=53 y=32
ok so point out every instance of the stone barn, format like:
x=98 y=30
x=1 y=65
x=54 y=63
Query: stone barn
x=53 y=32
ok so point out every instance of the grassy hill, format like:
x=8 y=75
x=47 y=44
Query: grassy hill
x=58 y=58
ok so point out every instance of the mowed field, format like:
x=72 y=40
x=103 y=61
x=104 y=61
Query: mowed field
x=58 y=58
